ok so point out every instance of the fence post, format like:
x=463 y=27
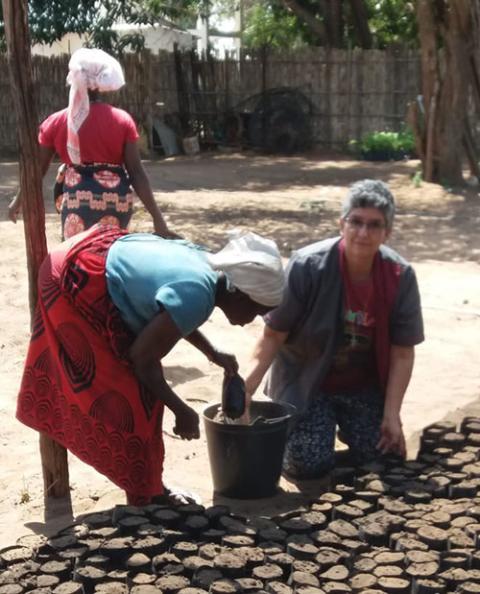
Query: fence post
x=182 y=98
x=265 y=98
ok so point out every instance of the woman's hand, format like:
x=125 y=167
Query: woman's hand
x=160 y=226
x=228 y=362
x=391 y=436
x=245 y=419
x=187 y=423
x=141 y=185
x=14 y=207
x=172 y=235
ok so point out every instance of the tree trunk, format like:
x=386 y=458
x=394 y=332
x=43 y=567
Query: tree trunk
x=332 y=11
x=324 y=9
x=17 y=36
x=475 y=58
x=336 y=22
x=416 y=121
x=471 y=151
x=430 y=81
x=360 y=20
x=452 y=103
x=427 y=32
x=446 y=41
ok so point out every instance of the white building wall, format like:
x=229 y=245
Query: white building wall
x=158 y=37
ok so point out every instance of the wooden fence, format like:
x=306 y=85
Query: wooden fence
x=352 y=91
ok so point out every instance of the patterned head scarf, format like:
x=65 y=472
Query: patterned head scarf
x=87 y=69
x=253 y=265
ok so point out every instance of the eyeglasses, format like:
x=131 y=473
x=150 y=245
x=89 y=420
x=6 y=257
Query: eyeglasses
x=371 y=226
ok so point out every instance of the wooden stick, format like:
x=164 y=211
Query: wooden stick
x=471 y=151
x=54 y=457
x=429 y=151
x=413 y=120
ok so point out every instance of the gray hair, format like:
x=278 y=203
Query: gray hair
x=370 y=193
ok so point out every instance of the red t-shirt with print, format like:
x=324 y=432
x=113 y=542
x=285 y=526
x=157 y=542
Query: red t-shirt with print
x=353 y=365
x=102 y=136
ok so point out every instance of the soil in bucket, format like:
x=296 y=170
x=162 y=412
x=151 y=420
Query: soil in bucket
x=246 y=460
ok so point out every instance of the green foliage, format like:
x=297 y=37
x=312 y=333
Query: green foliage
x=50 y=20
x=392 y=22
x=417 y=179
x=267 y=25
x=25 y=496
x=271 y=22
x=267 y=22
x=384 y=145
x=183 y=12
x=224 y=8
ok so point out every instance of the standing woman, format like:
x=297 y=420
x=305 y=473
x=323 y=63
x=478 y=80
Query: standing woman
x=97 y=143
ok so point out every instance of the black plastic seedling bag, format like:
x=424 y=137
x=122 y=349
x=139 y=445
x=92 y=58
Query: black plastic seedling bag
x=233 y=396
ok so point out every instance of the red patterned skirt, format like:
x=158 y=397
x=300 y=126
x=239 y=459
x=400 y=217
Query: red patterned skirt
x=78 y=385
x=96 y=193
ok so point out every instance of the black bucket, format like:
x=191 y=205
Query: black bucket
x=246 y=460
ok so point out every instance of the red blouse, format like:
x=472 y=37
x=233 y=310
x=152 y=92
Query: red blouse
x=103 y=134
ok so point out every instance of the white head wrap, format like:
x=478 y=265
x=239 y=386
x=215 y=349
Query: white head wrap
x=88 y=69
x=253 y=265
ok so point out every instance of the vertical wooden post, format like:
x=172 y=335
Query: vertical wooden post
x=265 y=97
x=182 y=95
x=430 y=148
x=15 y=15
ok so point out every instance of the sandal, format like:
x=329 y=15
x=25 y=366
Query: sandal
x=176 y=496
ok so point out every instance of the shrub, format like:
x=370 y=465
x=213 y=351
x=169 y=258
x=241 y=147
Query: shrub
x=385 y=145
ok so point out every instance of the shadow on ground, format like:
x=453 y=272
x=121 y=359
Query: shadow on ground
x=421 y=235
x=295 y=200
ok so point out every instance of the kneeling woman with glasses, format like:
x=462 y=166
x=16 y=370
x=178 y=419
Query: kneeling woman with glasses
x=340 y=346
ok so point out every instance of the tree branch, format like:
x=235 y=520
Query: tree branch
x=313 y=23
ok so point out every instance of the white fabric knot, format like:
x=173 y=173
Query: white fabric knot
x=88 y=69
x=253 y=265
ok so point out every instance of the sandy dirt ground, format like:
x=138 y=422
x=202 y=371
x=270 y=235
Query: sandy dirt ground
x=295 y=201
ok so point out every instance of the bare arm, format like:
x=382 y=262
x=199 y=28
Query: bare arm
x=200 y=341
x=141 y=185
x=263 y=355
x=15 y=206
x=151 y=345
x=401 y=367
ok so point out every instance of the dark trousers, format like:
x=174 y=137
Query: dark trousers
x=310 y=448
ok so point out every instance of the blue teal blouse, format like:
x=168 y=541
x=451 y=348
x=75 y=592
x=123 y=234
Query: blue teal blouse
x=147 y=274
